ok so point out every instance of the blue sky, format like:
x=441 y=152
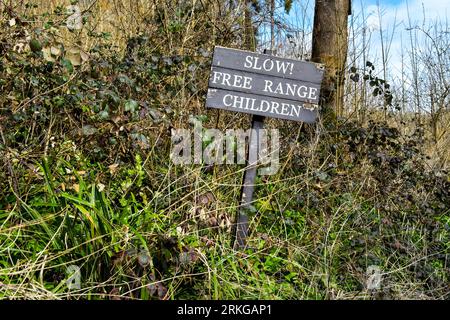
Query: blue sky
x=399 y=8
x=390 y=2
x=396 y=17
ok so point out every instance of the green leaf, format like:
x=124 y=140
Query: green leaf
x=67 y=65
x=104 y=115
x=35 y=45
x=77 y=200
x=88 y=130
x=131 y=106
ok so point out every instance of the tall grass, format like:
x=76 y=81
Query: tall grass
x=139 y=227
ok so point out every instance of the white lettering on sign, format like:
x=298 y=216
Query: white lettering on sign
x=225 y=103
x=278 y=86
x=266 y=85
x=268 y=65
x=273 y=107
x=289 y=89
x=234 y=80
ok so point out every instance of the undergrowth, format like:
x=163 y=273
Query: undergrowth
x=86 y=180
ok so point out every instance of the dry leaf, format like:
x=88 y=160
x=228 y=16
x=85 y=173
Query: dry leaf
x=115 y=294
x=55 y=51
x=74 y=56
x=162 y=291
x=75 y=19
x=48 y=55
x=202 y=214
x=225 y=221
x=113 y=168
x=84 y=56
x=205 y=199
x=212 y=222
x=180 y=231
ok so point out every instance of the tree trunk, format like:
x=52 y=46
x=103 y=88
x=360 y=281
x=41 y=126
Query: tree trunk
x=329 y=46
x=249 y=31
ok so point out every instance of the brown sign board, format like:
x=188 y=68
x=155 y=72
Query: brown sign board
x=265 y=85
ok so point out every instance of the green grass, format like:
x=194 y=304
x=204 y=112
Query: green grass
x=141 y=233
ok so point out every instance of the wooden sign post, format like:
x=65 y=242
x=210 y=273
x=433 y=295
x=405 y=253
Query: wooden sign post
x=264 y=86
x=248 y=184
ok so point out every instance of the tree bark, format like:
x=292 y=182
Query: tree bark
x=329 y=47
x=249 y=31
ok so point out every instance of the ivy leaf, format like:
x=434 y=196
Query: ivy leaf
x=143 y=258
x=322 y=176
x=131 y=106
x=67 y=65
x=104 y=115
x=35 y=45
x=141 y=140
x=88 y=130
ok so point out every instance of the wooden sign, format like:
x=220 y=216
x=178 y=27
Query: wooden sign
x=264 y=85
